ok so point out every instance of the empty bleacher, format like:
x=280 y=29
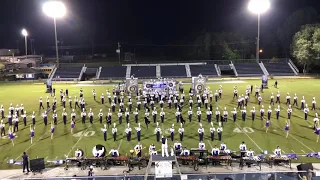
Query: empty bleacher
x=279 y=69
x=113 y=72
x=143 y=71
x=67 y=72
x=91 y=70
x=173 y=71
x=248 y=69
x=205 y=70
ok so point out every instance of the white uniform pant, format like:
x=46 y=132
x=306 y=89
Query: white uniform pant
x=164 y=150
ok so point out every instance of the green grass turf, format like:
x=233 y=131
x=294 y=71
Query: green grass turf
x=301 y=138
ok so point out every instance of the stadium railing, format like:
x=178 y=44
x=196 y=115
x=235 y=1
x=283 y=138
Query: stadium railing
x=294 y=175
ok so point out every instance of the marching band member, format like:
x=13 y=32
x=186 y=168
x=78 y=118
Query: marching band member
x=52 y=129
x=202 y=146
x=104 y=130
x=220 y=91
x=277 y=151
x=9 y=116
x=219 y=131
x=215 y=151
x=120 y=116
x=64 y=116
x=277 y=112
x=206 y=103
x=306 y=110
x=253 y=113
x=11 y=109
x=161 y=103
x=288 y=99
x=190 y=102
x=199 y=114
x=108 y=117
x=302 y=103
x=113 y=107
x=317 y=132
x=154 y=115
x=40 y=105
x=246 y=99
x=272 y=99
x=114 y=152
x=90 y=114
x=157 y=131
x=136 y=115
x=11 y=135
x=83 y=116
x=170 y=102
x=289 y=112
x=175 y=102
x=127 y=115
x=130 y=105
x=70 y=102
x=287 y=128
x=244 y=113
x=295 y=100
x=217 y=114
x=201 y=132
x=225 y=115
x=76 y=102
x=181 y=131
x=164 y=147
x=278 y=97
x=138 y=129
x=24 y=118
x=100 y=115
x=2 y=129
x=72 y=125
x=73 y=115
x=209 y=114
x=235 y=93
x=64 y=101
x=17 y=109
x=216 y=96
x=114 y=132
x=199 y=102
x=33 y=117
x=262 y=112
x=48 y=102
x=239 y=102
x=152 y=103
x=223 y=147
x=190 y=114
x=269 y=112
x=234 y=114
x=212 y=130
x=101 y=97
x=162 y=114
x=109 y=96
x=54 y=116
x=259 y=99
x=2 y=112
x=45 y=119
x=177 y=147
x=185 y=152
x=178 y=113
x=314 y=103
x=15 y=123
x=152 y=148
x=121 y=104
x=128 y=132
x=250 y=153
x=172 y=132
x=181 y=100
x=243 y=148
x=316 y=121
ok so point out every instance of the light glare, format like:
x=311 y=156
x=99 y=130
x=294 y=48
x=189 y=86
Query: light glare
x=24 y=32
x=54 y=9
x=258 y=6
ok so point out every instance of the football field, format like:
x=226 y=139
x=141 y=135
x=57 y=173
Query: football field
x=301 y=140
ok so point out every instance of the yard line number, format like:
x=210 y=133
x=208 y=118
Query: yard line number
x=83 y=133
x=244 y=130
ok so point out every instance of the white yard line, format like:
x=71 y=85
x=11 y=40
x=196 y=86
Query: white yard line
x=56 y=158
x=293 y=151
x=210 y=144
x=250 y=138
x=120 y=141
x=32 y=144
x=283 y=152
x=303 y=151
x=78 y=140
x=46 y=158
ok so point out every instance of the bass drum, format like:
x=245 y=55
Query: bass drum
x=132 y=89
x=99 y=151
x=200 y=87
x=170 y=84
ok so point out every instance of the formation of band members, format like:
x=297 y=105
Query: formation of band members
x=175 y=99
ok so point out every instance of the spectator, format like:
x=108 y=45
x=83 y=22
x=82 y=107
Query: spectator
x=25 y=162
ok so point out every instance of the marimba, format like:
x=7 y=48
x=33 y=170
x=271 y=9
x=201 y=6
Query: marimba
x=119 y=160
x=278 y=160
x=187 y=160
x=220 y=160
x=255 y=160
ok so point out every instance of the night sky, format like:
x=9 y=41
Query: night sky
x=139 y=21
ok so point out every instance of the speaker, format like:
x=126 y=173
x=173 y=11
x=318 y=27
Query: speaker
x=305 y=167
x=37 y=164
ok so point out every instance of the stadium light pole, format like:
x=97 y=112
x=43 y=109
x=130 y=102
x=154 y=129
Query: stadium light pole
x=24 y=32
x=258 y=7
x=55 y=9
